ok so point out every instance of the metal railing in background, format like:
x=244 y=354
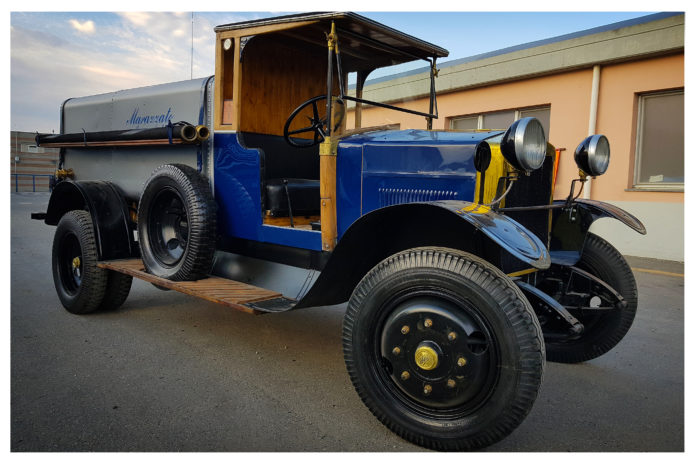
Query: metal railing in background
x=33 y=180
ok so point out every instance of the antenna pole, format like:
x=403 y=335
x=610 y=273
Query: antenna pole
x=192 y=45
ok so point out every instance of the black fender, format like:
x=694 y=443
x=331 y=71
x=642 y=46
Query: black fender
x=453 y=224
x=107 y=206
x=571 y=224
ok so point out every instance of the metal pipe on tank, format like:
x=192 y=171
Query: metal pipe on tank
x=202 y=133
x=189 y=134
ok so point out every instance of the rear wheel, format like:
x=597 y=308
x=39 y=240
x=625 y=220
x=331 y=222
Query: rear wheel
x=117 y=289
x=80 y=284
x=603 y=330
x=443 y=348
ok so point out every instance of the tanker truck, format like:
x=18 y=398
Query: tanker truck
x=461 y=274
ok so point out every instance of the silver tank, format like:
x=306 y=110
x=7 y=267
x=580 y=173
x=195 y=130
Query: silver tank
x=141 y=108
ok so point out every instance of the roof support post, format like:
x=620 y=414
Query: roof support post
x=327 y=160
x=362 y=77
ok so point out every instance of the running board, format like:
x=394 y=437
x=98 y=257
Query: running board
x=230 y=293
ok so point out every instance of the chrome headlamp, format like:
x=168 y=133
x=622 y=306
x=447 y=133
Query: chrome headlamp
x=592 y=155
x=524 y=144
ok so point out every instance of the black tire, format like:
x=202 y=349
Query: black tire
x=495 y=363
x=177 y=223
x=117 y=289
x=80 y=284
x=604 y=332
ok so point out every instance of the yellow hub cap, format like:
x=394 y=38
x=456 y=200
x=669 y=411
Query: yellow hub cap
x=426 y=358
x=76 y=262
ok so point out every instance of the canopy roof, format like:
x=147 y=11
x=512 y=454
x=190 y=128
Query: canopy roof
x=364 y=44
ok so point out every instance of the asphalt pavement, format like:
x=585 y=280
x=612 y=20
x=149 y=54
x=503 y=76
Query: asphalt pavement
x=168 y=372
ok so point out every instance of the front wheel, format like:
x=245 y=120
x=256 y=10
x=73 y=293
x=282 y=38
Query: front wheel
x=603 y=329
x=443 y=348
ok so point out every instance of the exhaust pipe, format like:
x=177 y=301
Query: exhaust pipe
x=188 y=134
x=202 y=133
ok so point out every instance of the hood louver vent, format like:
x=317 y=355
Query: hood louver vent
x=394 y=196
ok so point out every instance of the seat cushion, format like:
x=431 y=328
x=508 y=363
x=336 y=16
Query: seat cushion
x=304 y=197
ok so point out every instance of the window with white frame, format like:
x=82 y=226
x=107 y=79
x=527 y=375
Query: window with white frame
x=660 y=141
x=28 y=148
x=502 y=119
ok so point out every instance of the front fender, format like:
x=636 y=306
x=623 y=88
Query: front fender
x=503 y=230
x=571 y=225
x=600 y=209
x=385 y=231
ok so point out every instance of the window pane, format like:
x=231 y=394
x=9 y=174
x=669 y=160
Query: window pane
x=499 y=120
x=543 y=115
x=470 y=123
x=227 y=80
x=661 y=140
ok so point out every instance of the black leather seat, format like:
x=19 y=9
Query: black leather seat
x=281 y=164
x=304 y=197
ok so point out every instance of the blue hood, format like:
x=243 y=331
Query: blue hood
x=420 y=137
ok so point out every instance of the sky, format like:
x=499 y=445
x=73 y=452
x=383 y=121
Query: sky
x=58 y=55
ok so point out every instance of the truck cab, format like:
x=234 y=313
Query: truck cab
x=251 y=189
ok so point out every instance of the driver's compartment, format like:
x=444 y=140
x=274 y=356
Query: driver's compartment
x=289 y=178
x=274 y=73
x=269 y=75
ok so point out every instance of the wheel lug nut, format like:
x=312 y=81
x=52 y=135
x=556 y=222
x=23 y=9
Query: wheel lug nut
x=405 y=329
x=451 y=383
x=427 y=389
x=396 y=350
x=428 y=323
x=452 y=336
x=461 y=362
x=405 y=375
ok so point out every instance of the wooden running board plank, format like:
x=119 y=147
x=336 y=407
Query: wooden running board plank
x=215 y=289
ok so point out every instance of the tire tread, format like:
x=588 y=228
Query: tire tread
x=512 y=301
x=94 y=279
x=202 y=216
x=600 y=258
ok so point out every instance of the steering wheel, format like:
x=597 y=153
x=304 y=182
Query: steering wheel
x=317 y=124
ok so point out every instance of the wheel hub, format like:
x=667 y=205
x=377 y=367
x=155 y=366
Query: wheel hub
x=437 y=354
x=426 y=356
x=76 y=269
x=169 y=227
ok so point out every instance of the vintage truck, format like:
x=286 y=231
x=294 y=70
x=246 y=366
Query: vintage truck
x=247 y=188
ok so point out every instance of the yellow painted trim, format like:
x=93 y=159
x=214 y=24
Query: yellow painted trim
x=637 y=269
x=495 y=171
x=522 y=272
x=653 y=271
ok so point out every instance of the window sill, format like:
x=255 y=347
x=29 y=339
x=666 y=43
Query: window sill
x=656 y=189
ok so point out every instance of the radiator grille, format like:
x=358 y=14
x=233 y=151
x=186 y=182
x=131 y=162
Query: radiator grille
x=531 y=190
x=394 y=196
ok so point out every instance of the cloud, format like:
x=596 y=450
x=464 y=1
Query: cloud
x=86 y=27
x=138 y=19
x=111 y=72
x=50 y=62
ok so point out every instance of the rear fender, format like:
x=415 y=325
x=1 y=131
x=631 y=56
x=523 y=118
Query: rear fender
x=452 y=224
x=109 y=211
